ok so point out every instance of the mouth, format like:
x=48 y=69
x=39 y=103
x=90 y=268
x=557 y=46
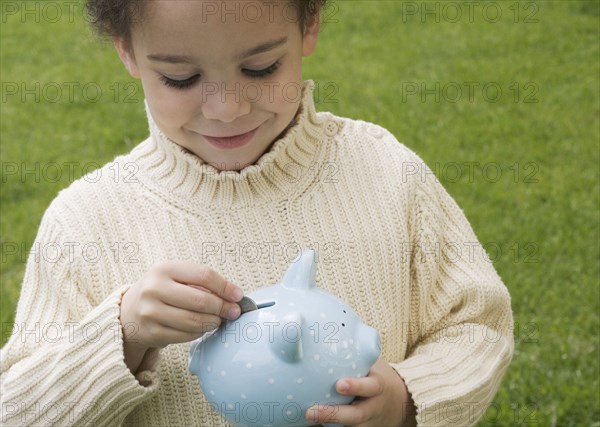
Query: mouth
x=231 y=142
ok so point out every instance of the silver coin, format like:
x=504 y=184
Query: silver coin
x=247 y=304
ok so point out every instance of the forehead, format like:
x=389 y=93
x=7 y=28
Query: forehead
x=200 y=21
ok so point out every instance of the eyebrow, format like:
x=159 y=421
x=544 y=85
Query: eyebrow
x=183 y=59
x=264 y=47
x=171 y=59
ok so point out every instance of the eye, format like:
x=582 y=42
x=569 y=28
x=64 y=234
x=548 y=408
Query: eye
x=262 y=73
x=180 y=84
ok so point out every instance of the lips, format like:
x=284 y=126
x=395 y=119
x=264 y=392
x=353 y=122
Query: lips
x=231 y=142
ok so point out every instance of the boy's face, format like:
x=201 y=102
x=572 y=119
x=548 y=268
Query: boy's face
x=212 y=70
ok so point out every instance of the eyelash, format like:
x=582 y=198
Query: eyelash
x=184 y=84
x=180 y=84
x=264 y=72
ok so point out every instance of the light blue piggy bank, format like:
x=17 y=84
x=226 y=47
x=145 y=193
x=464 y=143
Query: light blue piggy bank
x=271 y=364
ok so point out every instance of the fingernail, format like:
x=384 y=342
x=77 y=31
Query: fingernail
x=234 y=312
x=238 y=294
x=343 y=386
x=312 y=414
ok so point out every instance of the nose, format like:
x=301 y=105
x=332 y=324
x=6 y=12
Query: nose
x=224 y=102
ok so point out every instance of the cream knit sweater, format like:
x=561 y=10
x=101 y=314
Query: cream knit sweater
x=390 y=242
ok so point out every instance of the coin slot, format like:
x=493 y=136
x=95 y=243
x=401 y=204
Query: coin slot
x=265 y=304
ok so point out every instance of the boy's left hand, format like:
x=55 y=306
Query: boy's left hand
x=382 y=399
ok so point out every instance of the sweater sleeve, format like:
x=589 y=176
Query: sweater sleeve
x=61 y=367
x=460 y=335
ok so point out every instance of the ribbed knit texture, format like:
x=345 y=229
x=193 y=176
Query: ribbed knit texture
x=390 y=242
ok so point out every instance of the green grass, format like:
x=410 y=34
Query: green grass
x=538 y=219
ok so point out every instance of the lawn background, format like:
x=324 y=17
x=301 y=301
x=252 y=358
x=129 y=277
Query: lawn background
x=533 y=200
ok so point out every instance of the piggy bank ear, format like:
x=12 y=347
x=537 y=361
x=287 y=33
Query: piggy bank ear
x=302 y=273
x=287 y=346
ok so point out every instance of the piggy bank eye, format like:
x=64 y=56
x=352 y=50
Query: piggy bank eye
x=343 y=324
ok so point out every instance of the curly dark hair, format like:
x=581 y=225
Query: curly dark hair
x=113 y=18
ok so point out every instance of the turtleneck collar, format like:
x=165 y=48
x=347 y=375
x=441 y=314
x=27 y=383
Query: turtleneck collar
x=186 y=180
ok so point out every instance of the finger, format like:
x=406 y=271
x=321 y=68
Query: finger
x=336 y=414
x=202 y=275
x=187 y=321
x=162 y=336
x=199 y=301
x=361 y=387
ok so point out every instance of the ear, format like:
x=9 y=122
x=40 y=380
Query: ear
x=311 y=34
x=126 y=54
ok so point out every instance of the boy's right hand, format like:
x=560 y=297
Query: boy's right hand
x=176 y=301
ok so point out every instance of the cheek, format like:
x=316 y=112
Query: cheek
x=172 y=108
x=290 y=96
x=288 y=90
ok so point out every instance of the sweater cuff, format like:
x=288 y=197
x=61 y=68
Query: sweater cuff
x=454 y=383
x=118 y=391
x=84 y=374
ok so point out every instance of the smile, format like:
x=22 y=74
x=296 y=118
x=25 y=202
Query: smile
x=231 y=142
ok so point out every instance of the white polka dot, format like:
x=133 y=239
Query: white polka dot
x=212 y=392
x=312 y=333
x=271 y=380
x=354 y=366
x=290 y=396
x=243 y=396
x=330 y=371
x=345 y=344
x=226 y=345
x=323 y=315
x=208 y=368
x=299 y=380
x=358 y=375
x=328 y=395
x=351 y=341
x=289 y=413
x=230 y=406
x=292 y=304
x=223 y=373
x=248 y=365
x=316 y=357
